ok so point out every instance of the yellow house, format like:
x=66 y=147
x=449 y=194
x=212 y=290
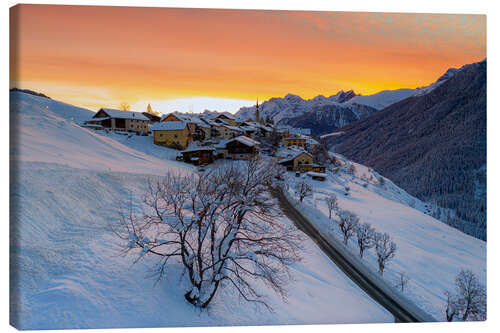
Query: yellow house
x=173 y=134
x=301 y=161
x=118 y=120
x=295 y=142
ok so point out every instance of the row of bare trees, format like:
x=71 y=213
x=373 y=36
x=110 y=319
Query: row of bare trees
x=222 y=226
x=367 y=237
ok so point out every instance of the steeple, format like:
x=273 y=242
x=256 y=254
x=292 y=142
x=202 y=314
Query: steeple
x=257 y=117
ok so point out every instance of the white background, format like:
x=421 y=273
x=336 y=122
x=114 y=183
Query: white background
x=491 y=8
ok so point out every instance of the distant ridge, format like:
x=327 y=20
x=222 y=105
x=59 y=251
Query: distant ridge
x=31 y=92
x=431 y=145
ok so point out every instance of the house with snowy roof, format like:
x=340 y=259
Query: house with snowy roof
x=119 y=120
x=300 y=160
x=198 y=128
x=241 y=148
x=173 y=134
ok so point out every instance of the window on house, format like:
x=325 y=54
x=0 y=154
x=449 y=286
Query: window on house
x=175 y=136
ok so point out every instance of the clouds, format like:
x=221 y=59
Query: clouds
x=139 y=54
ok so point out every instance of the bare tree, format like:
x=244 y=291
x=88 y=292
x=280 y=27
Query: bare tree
x=320 y=153
x=452 y=306
x=303 y=189
x=403 y=281
x=471 y=296
x=348 y=223
x=124 y=106
x=366 y=237
x=385 y=248
x=332 y=204
x=221 y=226
x=351 y=169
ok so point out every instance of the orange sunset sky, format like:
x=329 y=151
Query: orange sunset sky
x=100 y=56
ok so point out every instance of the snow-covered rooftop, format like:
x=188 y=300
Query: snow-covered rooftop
x=245 y=140
x=316 y=174
x=169 y=126
x=124 y=114
x=198 y=149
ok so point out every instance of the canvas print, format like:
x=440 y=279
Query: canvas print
x=210 y=167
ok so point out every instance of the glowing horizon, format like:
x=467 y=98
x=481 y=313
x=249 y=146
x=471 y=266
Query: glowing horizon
x=95 y=56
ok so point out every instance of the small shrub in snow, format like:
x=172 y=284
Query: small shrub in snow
x=385 y=249
x=381 y=181
x=348 y=223
x=347 y=190
x=366 y=237
x=351 y=169
x=403 y=280
x=412 y=203
x=303 y=189
x=332 y=204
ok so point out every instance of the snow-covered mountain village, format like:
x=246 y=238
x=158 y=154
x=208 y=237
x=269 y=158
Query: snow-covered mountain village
x=357 y=206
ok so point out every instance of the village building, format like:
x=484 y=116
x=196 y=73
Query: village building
x=198 y=129
x=152 y=117
x=316 y=175
x=199 y=155
x=174 y=134
x=228 y=119
x=118 y=120
x=226 y=131
x=295 y=141
x=300 y=161
x=242 y=148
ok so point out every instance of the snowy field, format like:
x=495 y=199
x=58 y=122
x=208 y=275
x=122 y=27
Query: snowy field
x=430 y=252
x=66 y=271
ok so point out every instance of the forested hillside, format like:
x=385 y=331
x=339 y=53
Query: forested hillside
x=433 y=146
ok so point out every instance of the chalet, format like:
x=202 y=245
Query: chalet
x=198 y=129
x=301 y=161
x=118 y=120
x=199 y=155
x=152 y=117
x=242 y=148
x=173 y=134
x=316 y=175
x=225 y=131
x=318 y=168
x=227 y=119
x=295 y=141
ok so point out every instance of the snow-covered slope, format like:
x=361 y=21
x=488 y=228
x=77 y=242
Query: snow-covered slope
x=66 y=271
x=383 y=98
x=45 y=131
x=430 y=252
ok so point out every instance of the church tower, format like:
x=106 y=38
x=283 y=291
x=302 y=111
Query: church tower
x=257 y=117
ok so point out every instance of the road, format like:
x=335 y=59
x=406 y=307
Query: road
x=372 y=288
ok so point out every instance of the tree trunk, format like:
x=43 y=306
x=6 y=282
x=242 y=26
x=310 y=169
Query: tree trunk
x=361 y=252
x=381 y=267
x=205 y=304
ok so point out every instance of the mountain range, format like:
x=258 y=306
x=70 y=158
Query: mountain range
x=325 y=114
x=433 y=145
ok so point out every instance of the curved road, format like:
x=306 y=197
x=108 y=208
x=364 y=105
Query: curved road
x=389 y=302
